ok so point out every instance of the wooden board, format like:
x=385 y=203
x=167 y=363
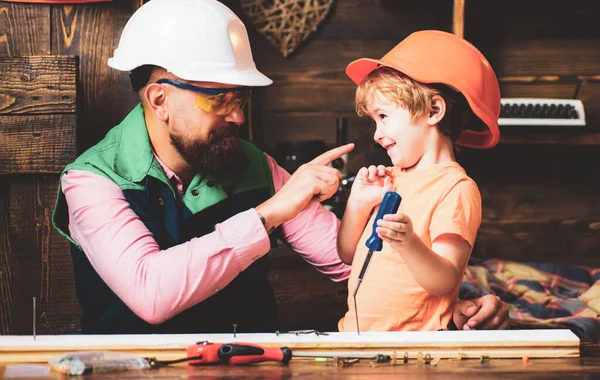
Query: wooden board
x=38 y=84
x=37 y=248
x=36 y=143
x=24 y=29
x=92 y=32
x=40 y=110
x=442 y=344
x=5 y=272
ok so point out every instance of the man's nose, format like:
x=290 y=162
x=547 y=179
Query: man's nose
x=236 y=116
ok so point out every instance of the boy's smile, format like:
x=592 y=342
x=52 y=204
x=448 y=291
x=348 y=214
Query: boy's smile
x=400 y=135
x=411 y=142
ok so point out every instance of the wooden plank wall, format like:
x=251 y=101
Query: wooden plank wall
x=34 y=259
x=541 y=201
x=541 y=189
x=37 y=132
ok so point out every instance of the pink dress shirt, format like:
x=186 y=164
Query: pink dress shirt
x=158 y=284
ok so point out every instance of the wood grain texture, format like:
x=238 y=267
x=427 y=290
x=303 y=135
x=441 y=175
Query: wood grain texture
x=322 y=61
x=42 y=259
x=384 y=19
x=6 y=275
x=586 y=367
x=24 y=255
x=36 y=144
x=536 y=37
x=24 y=29
x=541 y=39
x=550 y=136
x=546 y=56
x=92 y=32
x=308 y=93
x=458 y=18
x=540 y=203
x=38 y=84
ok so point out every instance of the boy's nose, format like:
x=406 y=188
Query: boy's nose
x=378 y=135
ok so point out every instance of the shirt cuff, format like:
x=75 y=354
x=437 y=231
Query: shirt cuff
x=246 y=236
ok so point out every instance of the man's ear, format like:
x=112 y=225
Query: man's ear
x=155 y=96
x=438 y=110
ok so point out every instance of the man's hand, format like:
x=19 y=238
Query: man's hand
x=483 y=313
x=314 y=181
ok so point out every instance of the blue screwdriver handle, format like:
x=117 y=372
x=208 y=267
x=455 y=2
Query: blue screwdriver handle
x=389 y=205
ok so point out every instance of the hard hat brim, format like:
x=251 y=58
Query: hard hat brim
x=250 y=76
x=359 y=69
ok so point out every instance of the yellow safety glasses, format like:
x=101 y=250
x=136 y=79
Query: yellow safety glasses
x=218 y=101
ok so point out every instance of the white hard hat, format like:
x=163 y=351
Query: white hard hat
x=196 y=40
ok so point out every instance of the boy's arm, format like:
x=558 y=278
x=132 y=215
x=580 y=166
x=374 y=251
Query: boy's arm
x=439 y=269
x=453 y=229
x=367 y=191
x=353 y=224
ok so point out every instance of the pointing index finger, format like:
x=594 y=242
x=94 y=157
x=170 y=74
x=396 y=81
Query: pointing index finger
x=327 y=157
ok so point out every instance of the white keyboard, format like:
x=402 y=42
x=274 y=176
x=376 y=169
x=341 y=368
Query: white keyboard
x=543 y=112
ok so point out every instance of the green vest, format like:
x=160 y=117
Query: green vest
x=125 y=157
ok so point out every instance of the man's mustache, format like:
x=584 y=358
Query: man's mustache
x=229 y=130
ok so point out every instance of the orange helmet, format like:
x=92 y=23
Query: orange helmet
x=432 y=56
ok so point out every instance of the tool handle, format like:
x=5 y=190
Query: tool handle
x=236 y=353
x=247 y=353
x=389 y=205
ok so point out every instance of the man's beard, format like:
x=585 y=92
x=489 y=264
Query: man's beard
x=219 y=153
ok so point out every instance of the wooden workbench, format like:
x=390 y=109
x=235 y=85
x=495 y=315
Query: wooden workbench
x=586 y=366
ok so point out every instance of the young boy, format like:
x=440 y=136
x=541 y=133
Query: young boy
x=432 y=91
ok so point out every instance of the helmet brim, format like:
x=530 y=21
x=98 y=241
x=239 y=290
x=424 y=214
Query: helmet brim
x=248 y=76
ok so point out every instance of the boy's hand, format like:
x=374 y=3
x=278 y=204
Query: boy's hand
x=370 y=185
x=396 y=230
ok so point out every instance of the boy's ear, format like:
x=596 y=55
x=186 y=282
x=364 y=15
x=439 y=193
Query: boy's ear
x=438 y=110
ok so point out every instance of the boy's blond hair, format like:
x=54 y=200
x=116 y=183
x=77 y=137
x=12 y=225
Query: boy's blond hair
x=415 y=96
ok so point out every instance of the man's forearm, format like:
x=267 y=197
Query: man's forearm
x=312 y=233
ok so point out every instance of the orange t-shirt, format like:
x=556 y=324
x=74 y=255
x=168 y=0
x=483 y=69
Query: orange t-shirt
x=440 y=199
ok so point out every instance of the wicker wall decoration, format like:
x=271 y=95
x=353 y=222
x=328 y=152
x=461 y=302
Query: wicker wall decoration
x=286 y=23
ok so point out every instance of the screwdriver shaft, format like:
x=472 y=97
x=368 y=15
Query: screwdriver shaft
x=360 y=280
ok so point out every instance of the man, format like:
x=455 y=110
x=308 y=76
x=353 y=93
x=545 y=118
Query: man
x=171 y=216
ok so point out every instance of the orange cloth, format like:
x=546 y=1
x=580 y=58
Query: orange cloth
x=439 y=199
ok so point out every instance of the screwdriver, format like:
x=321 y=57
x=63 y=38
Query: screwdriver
x=248 y=353
x=389 y=205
